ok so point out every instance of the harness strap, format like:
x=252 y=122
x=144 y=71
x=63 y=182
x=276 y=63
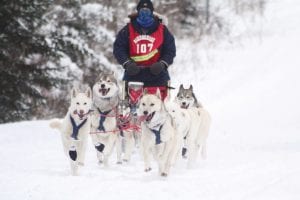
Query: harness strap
x=102 y=119
x=76 y=128
x=157 y=134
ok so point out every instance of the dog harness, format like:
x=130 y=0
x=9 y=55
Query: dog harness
x=76 y=128
x=102 y=119
x=157 y=134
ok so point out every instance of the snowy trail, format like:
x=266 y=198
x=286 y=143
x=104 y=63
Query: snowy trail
x=34 y=167
x=253 y=148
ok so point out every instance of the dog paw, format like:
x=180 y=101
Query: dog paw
x=73 y=155
x=164 y=174
x=100 y=162
x=183 y=152
x=148 y=169
x=100 y=147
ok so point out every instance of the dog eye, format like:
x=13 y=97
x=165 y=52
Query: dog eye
x=187 y=97
x=143 y=104
x=84 y=103
x=152 y=104
x=108 y=81
x=77 y=103
x=173 y=110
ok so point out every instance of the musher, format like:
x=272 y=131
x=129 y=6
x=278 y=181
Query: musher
x=145 y=48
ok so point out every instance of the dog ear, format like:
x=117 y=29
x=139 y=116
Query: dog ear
x=145 y=91
x=74 y=93
x=158 y=93
x=88 y=92
x=181 y=87
x=191 y=87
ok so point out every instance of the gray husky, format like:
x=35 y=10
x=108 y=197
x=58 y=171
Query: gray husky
x=200 y=124
x=104 y=130
x=187 y=98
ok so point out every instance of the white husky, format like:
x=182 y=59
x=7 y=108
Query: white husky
x=200 y=123
x=182 y=120
x=104 y=130
x=158 y=134
x=75 y=128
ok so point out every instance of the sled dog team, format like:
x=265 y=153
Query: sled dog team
x=168 y=130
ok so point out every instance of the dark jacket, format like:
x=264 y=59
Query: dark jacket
x=168 y=52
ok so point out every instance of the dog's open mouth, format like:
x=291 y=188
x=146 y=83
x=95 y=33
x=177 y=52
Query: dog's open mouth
x=185 y=106
x=104 y=91
x=149 y=117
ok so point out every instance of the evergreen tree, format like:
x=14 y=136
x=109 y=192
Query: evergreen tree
x=24 y=54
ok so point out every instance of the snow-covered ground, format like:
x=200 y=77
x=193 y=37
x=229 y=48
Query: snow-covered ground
x=252 y=93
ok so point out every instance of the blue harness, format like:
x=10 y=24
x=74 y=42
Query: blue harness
x=102 y=119
x=76 y=128
x=157 y=134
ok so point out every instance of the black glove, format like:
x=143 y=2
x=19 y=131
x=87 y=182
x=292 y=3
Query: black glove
x=131 y=68
x=157 y=67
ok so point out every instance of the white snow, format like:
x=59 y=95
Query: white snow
x=252 y=93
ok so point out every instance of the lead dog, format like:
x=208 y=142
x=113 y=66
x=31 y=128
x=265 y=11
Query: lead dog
x=104 y=130
x=200 y=123
x=75 y=128
x=158 y=134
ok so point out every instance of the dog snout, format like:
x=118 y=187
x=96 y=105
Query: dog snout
x=102 y=86
x=81 y=111
x=184 y=103
x=145 y=112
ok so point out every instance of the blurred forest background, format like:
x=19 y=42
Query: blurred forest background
x=47 y=46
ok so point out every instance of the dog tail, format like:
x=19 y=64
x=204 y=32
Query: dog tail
x=55 y=124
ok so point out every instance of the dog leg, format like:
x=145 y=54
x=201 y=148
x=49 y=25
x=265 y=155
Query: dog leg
x=81 y=152
x=74 y=168
x=192 y=148
x=108 y=148
x=129 y=145
x=119 y=149
x=170 y=151
x=146 y=155
x=137 y=138
x=203 y=151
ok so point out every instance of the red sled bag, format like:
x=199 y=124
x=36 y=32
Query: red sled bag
x=136 y=89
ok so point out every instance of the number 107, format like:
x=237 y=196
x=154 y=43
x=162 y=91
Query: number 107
x=144 y=48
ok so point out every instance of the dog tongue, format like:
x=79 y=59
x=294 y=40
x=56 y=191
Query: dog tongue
x=104 y=91
x=185 y=106
x=149 y=117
